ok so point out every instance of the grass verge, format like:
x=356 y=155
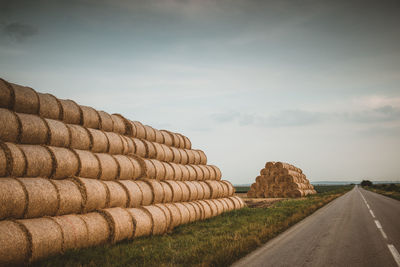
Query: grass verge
x=219 y=241
x=389 y=190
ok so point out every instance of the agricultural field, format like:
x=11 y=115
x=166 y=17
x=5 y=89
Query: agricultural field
x=389 y=190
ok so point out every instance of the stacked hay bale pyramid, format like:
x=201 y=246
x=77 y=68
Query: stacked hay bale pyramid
x=280 y=179
x=74 y=177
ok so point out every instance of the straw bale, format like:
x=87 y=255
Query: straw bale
x=6 y=94
x=185 y=172
x=138 y=166
x=175 y=215
x=220 y=206
x=98 y=228
x=241 y=202
x=197 y=158
x=185 y=190
x=181 y=140
x=116 y=145
x=140 y=131
x=129 y=145
x=119 y=124
x=213 y=207
x=109 y=166
x=215 y=188
x=212 y=174
x=142 y=220
x=194 y=173
x=118 y=194
x=168 y=140
x=15 y=158
x=193 y=194
x=169 y=171
x=150 y=169
x=230 y=203
x=225 y=189
x=147 y=193
x=203 y=157
x=184 y=211
x=269 y=164
x=15 y=245
x=184 y=156
x=160 y=169
x=129 y=129
x=156 y=189
x=187 y=143
x=120 y=223
x=206 y=172
x=159 y=137
x=160 y=154
x=70 y=197
x=13 y=199
x=176 y=189
x=89 y=164
x=46 y=237
x=159 y=219
x=106 y=122
x=58 y=134
x=206 y=189
x=168 y=154
x=231 y=189
x=190 y=156
x=217 y=171
x=10 y=126
x=177 y=155
x=71 y=112
x=167 y=213
x=150 y=149
x=251 y=193
x=192 y=211
x=90 y=117
x=178 y=173
x=135 y=195
x=167 y=192
x=200 y=189
x=140 y=148
x=95 y=193
x=125 y=146
x=198 y=210
x=49 y=106
x=74 y=231
x=150 y=133
x=66 y=163
x=34 y=129
x=206 y=209
x=224 y=204
x=38 y=161
x=126 y=167
x=100 y=142
x=26 y=99
x=80 y=137
x=199 y=172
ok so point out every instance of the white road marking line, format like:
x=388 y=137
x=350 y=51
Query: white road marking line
x=368 y=206
x=378 y=224
x=372 y=213
x=383 y=233
x=395 y=254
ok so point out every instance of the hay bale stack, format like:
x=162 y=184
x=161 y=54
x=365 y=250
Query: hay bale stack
x=279 y=179
x=74 y=231
x=120 y=223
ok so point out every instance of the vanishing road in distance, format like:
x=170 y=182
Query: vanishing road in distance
x=361 y=228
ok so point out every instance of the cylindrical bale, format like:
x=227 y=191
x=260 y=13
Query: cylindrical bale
x=175 y=215
x=176 y=190
x=95 y=193
x=199 y=172
x=49 y=107
x=34 y=129
x=74 y=231
x=217 y=171
x=108 y=165
x=134 y=192
x=26 y=99
x=106 y=122
x=206 y=189
x=269 y=164
x=142 y=221
x=129 y=145
x=199 y=210
x=6 y=94
x=59 y=133
x=191 y=156
x=231 y=203
x=120 y=223
x=160 y=170
x=239 y=202
x=197 y=158
x=129 y=129
x=140 y=148
x=140 y=131
x=119 y=124
x=116 y=145
x=215 y=188
x=181 y=140
x=70 y=197
x=206 y=172
x=10 y=127
x=15 y=245
x=15 y=159
x=206 y=208
x=150 y=149
x=147 y=193
x=184 y=211
x=98 y=228
x=231 y=189
x=46 y=237
x=169 y=171
x=150 y=169
x=168 y=154
x=13 y=199
x=178 y=174
x=138 y=166
x=66 y=162
x=185 y=172
x=167 y=192
x=185 y=191
x=177 y=155
x=167 y=138
x=192 y=211
x=220 y=207
x=150 y=133
x=160 y=154
x=167 y=214
x=184 y=156
x=71 y=112
x=224 y=204
x=90 y=117
x=156 y=189
x=126 y=168
x=89 y=164
x=192 y=173
x=80 y=137
x=210 y=171
x=193 y=194
x=203 y=157
x=213 y=207
x=159 y=137
x=118 y=194
x=225 y=189
x=200 y=190
x=99 y=141
x=159 y=219
x=39 y=161
x=187 y=143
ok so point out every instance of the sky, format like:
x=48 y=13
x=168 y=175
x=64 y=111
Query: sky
x=314 y=83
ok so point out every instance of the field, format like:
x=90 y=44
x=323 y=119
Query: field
x=215 y=242
x=389 y=190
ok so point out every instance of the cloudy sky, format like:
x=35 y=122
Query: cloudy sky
x=314 y=83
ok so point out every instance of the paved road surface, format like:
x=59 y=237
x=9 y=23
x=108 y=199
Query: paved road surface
x=360 y=228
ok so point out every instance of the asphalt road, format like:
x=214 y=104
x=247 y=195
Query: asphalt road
x=349 y=231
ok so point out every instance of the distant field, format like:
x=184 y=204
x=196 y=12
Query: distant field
x=242 y=189
x=318 y=188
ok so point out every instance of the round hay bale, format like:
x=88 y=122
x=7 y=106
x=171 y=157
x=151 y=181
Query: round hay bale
x=239 y=203
x=147 y=193
x=169 y=171
x=99 y=141
x=140 y=131
x=176 y=190
x=126 y=167
x=206 y=172
x=181 y=140
x=71 y=112
x=231 y=189
x=15 y=245
x=159 y=136
x=191 y=156
x=142 y=221
x=217 y=171
x=140 y=148
x=26 y=99
x=95 y=193
x=177 y=155
x=206 y=189
x=192 y=211
x=138 y=166
x=6 y=94
x=74 y=231
x=184 y=156
x=89 y=164
x=70 y=197
x=106 y=122
x=160 y=154
x=199 y=172
x=80 y=137
x=160 y=170
x=200 y=190
x=150 y=149
x=10 y=126
x=46 y=237
x=203 y=157
x=128 y=129
x=225 y=189
x=168 y=154
x=178 y=174
x=220 y=207
x=187 y=143
x=224 y=204
x=159 y=219
x=197 y=211
x=197 y=158
x=269 y=164
x=185 y=190
x=120 y=223
x=59 y=133
x=125 y=145
x=130 y=146
x=49 y=106
x=150 y=169
x=116 y=145
x=184 y=211
x=109 y=167
x=168 y=140
x=118 y=194
x=98 y=229
x=201 y=208
x=213 y=207
x=215 y=188
x=13 y=199
x=157 y=189
x=90 y=117
x=34 y=129
x=206 y=208
x=66 y=162
x=119 y=124
x=167 y=213
x=192 y=172
x=231 y=204
x=15 y=159
x=185 y=172
x=193 y=194
x=210 y=170
x=175 y=215
x=134 y=193
x=39 y=161
x=167 y=192
x=150 y=133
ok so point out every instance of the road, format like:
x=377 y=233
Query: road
x=360 y=228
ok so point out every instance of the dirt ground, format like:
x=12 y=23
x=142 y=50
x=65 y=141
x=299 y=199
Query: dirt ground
x=258 y=202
